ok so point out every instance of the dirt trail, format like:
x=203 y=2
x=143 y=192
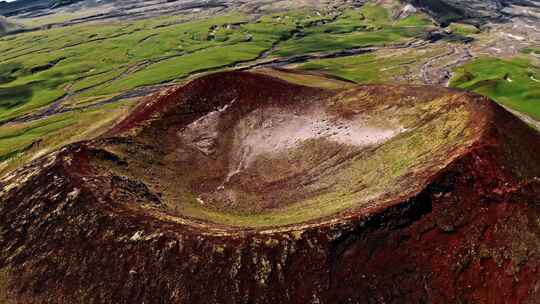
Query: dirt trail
x=433 y=73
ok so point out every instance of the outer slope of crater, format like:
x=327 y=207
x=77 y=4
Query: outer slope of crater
x=440 y=206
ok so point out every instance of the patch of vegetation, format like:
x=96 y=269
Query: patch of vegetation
x=14 y=153
x=364 y=68
x=463 y=29
x=371 y=25
x=57 y=17
x=15 y=96
x=21 y=142
x=531 y=51
x=371 y=67
x=514 y=83
x=7 y=70
x=108 y=59
x=17 y=140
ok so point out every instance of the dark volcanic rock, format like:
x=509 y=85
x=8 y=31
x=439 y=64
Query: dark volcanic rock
x=95 y=223
x=6 y=26
x=26 y=6
x=473 y=11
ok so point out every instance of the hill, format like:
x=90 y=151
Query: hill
x=243 y=188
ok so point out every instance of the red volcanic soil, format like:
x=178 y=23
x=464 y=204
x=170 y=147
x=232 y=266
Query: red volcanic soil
x=116 y=220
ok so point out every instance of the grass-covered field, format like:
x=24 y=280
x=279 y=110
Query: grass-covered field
x=514 y=83
x=393 y=66
x=45 y=135
x=84 y=61
x=40 y=67
x=371 y=25
x=535 y=51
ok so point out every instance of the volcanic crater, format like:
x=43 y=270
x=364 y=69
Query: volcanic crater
x=247 y=150
x=238 y=187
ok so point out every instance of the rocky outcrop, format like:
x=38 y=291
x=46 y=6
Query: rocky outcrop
x=27 y=6
x=446 y=210
x=7 y=27
x=476 y=11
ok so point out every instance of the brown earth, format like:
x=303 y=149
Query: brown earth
x=393 y=194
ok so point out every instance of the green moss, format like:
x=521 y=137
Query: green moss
x=41 y=67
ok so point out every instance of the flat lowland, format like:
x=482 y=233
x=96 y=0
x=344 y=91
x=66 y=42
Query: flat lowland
x=244 y=188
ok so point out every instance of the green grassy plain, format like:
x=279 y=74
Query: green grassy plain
x=372 y=67
x=514 y=83
x=41 y=67
x=371 y=25
x=92 y=60
x=18 y=140
x=463 y=29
